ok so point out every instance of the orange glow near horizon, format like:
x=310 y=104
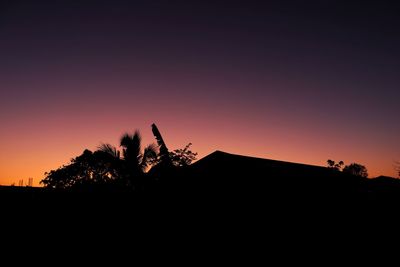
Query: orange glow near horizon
x=40 y=136
x=301 y=83
x=31 y=150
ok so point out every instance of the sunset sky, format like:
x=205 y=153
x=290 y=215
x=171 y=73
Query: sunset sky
x=287 y=80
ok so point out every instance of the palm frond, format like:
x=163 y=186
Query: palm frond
x=131 y=149
x=150 y=154
x=126 y=140
x=109 y=149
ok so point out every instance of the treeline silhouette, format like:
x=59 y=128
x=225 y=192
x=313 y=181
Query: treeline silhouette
x=131 y=168
x=136 y=177
x=353 y=169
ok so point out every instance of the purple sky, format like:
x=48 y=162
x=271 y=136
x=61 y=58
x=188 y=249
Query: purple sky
x=298 y=81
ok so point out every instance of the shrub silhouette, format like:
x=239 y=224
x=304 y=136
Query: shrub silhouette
x=356 y=169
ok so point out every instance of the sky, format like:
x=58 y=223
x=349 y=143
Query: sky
x=299 y=81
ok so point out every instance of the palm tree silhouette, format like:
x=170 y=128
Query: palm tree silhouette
x=132 y=153
x=134 y=162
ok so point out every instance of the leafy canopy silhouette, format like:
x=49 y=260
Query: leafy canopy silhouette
x=333 y=165
x=87 y=169
x=182 y=157
x=107 y=167
x=356 y=169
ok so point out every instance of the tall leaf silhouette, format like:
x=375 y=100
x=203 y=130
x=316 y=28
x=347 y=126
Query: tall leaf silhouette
x=164 y=153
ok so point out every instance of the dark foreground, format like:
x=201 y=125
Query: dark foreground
x=218 y=186
x=218 y=200
x=194 y=223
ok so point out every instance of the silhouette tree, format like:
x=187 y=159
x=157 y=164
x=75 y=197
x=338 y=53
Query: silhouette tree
x=88 y=169
x=105 y=166
x=167 y=164
x=182 y=157
x=135 y=162
x=356 y=169
x=333 y=165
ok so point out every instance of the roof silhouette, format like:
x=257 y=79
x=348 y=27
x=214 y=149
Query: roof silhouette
x=222 y=156
x=224 y=173
x=223 y=162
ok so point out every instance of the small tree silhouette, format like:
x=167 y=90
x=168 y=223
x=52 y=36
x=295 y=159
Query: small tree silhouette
x=182 y=157
x=356 y=169
x=333 y=165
